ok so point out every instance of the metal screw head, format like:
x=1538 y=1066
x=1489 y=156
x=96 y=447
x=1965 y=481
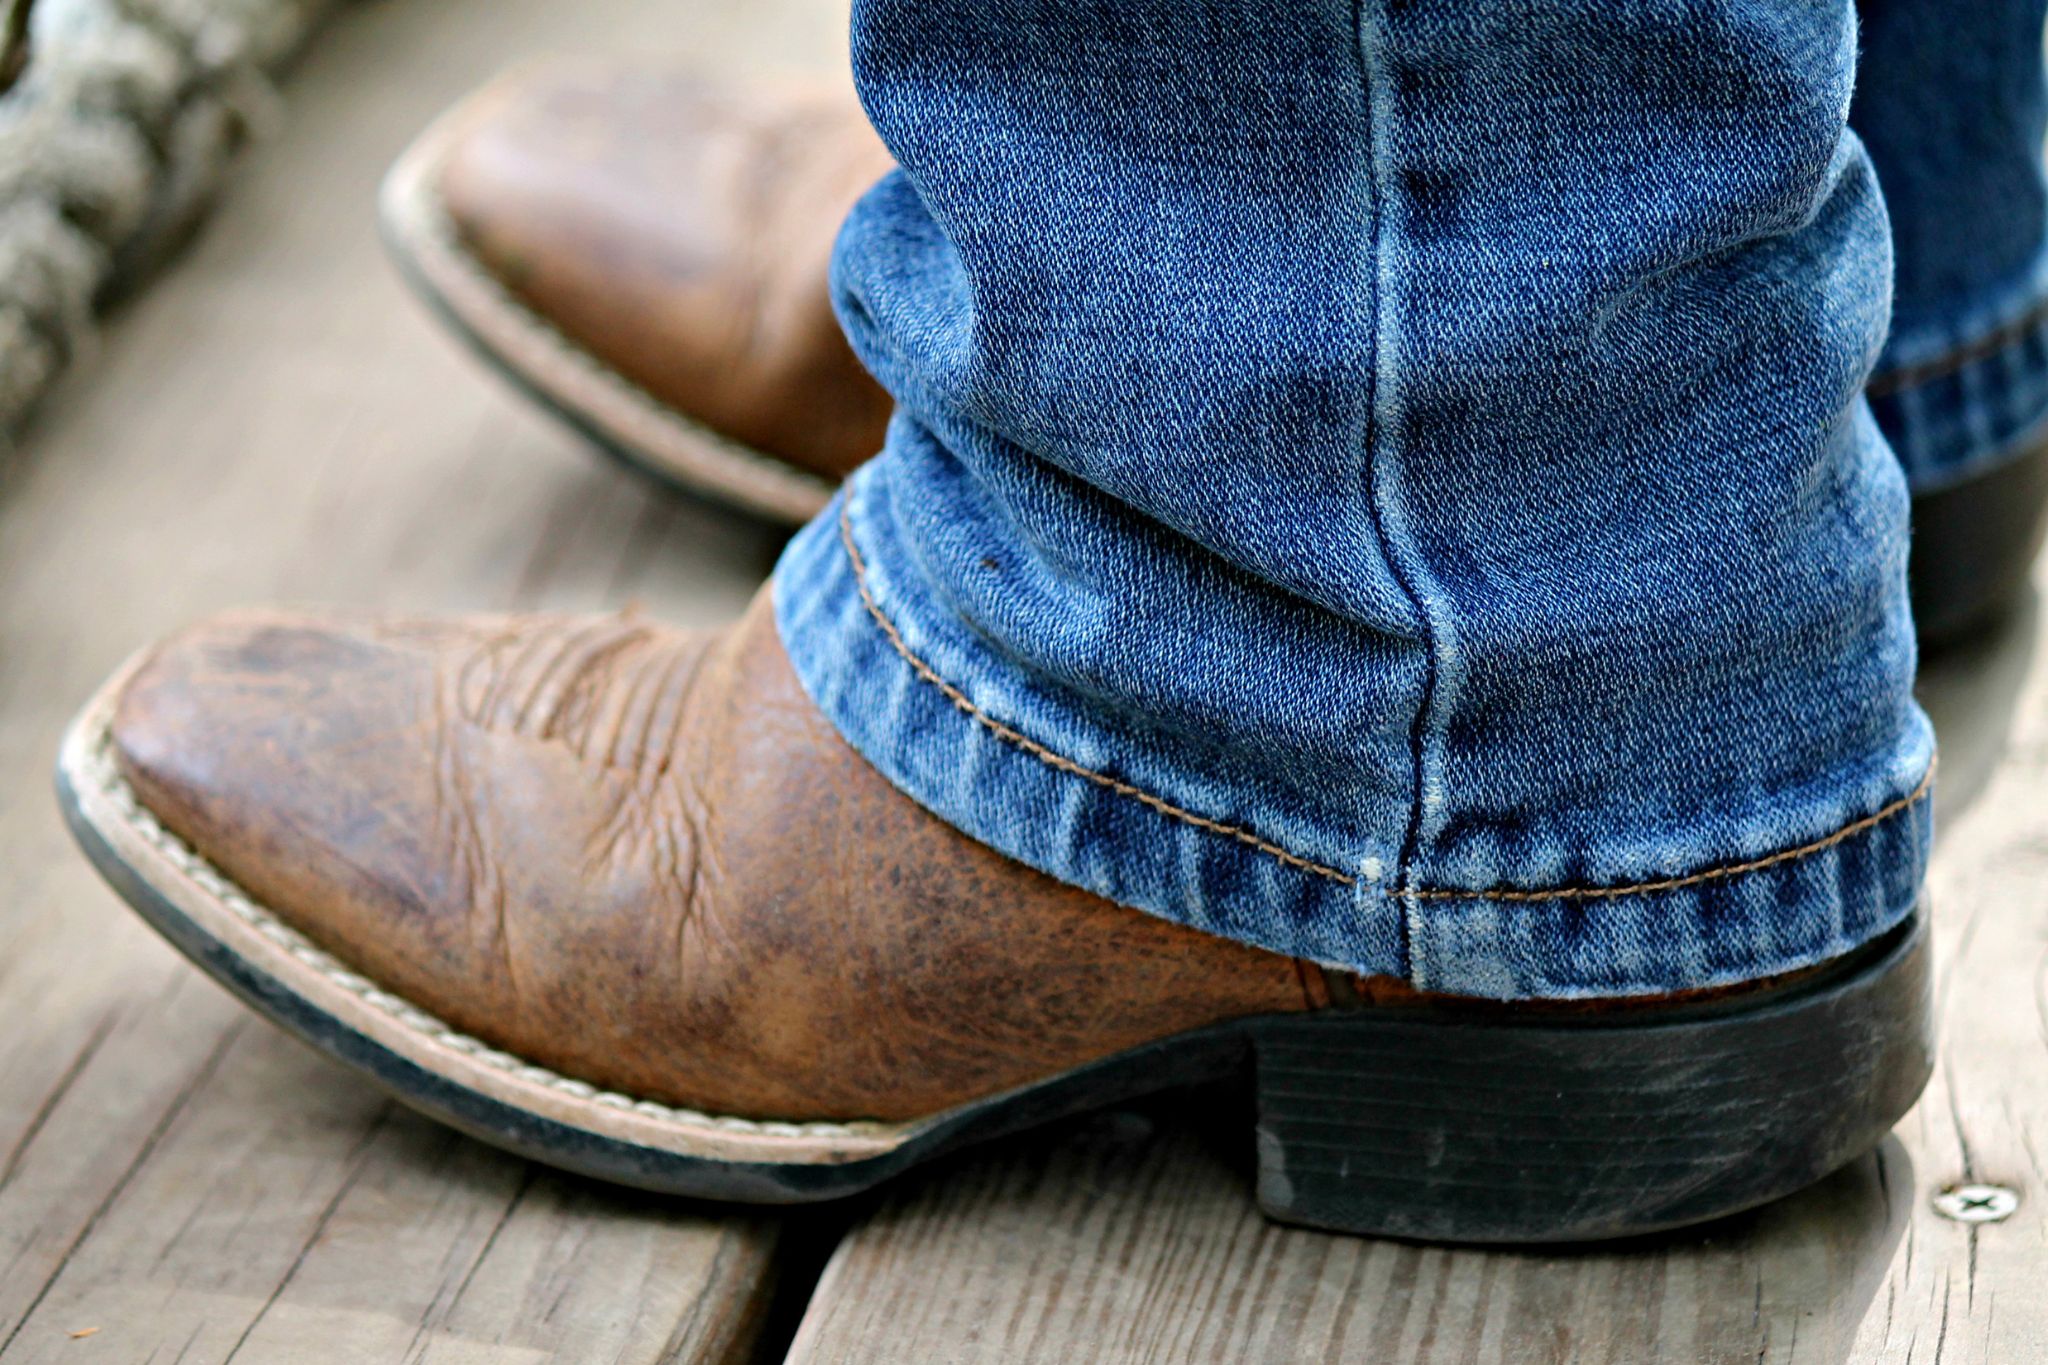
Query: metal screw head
x=1977 y=1203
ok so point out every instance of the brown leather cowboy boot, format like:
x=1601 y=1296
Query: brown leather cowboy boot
x=618 y=897
x=646 y=253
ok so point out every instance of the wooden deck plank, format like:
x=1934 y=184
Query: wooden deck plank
x=1133 y=1236
x=1980 y=1292
x=277 y=420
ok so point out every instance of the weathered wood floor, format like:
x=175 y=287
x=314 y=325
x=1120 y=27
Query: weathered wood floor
x=178 y=1182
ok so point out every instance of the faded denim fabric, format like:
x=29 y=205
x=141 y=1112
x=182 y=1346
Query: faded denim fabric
x=1389 y=482
x=1952 y=100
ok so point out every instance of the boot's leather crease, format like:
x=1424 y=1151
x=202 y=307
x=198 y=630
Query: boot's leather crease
x=641 y=858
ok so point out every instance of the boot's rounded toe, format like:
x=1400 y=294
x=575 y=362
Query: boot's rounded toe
x=639 y=857
x=678 y=231
x=297 y=755
x=220 y=729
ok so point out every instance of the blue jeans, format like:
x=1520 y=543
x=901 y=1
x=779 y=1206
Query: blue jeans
x=1953 y=106
x=1390 y=482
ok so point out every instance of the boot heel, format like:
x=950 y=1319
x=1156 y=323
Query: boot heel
x=1478 y=1127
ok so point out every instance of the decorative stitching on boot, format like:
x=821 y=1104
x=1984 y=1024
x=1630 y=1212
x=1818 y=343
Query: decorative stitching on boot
x=965 y=704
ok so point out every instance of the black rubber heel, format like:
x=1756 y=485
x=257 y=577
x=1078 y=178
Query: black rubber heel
x=1974 y=547
x=1478 y=1128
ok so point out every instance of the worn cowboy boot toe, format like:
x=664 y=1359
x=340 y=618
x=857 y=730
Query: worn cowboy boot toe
x=646 y=252
x=640 y=857
x=617 y=896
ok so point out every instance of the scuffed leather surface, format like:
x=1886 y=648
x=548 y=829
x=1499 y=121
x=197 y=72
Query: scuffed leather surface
x=640 y=857
x=680 y=231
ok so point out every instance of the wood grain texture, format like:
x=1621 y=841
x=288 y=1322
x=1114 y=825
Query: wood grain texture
x=278 y=420
x=1133 y=1237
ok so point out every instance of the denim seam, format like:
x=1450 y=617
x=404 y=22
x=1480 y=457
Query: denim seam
x=1059 y=762
x=1375 y=450
x=1984 y=347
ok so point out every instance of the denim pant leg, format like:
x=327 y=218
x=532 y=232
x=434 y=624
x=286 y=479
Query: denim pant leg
x=1952 y=100
x=1387 y=482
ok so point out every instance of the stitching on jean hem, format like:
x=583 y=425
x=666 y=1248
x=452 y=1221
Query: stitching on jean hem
x=1589 y=893
x=1969 y=353
x=964 y=703
x=1047 y=756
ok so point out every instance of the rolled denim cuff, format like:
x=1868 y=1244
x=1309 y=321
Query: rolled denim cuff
x=1960 y=403
x=1716 y=926
x=1059 y=796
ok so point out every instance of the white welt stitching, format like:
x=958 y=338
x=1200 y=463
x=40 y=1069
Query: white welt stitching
x=106 y=776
